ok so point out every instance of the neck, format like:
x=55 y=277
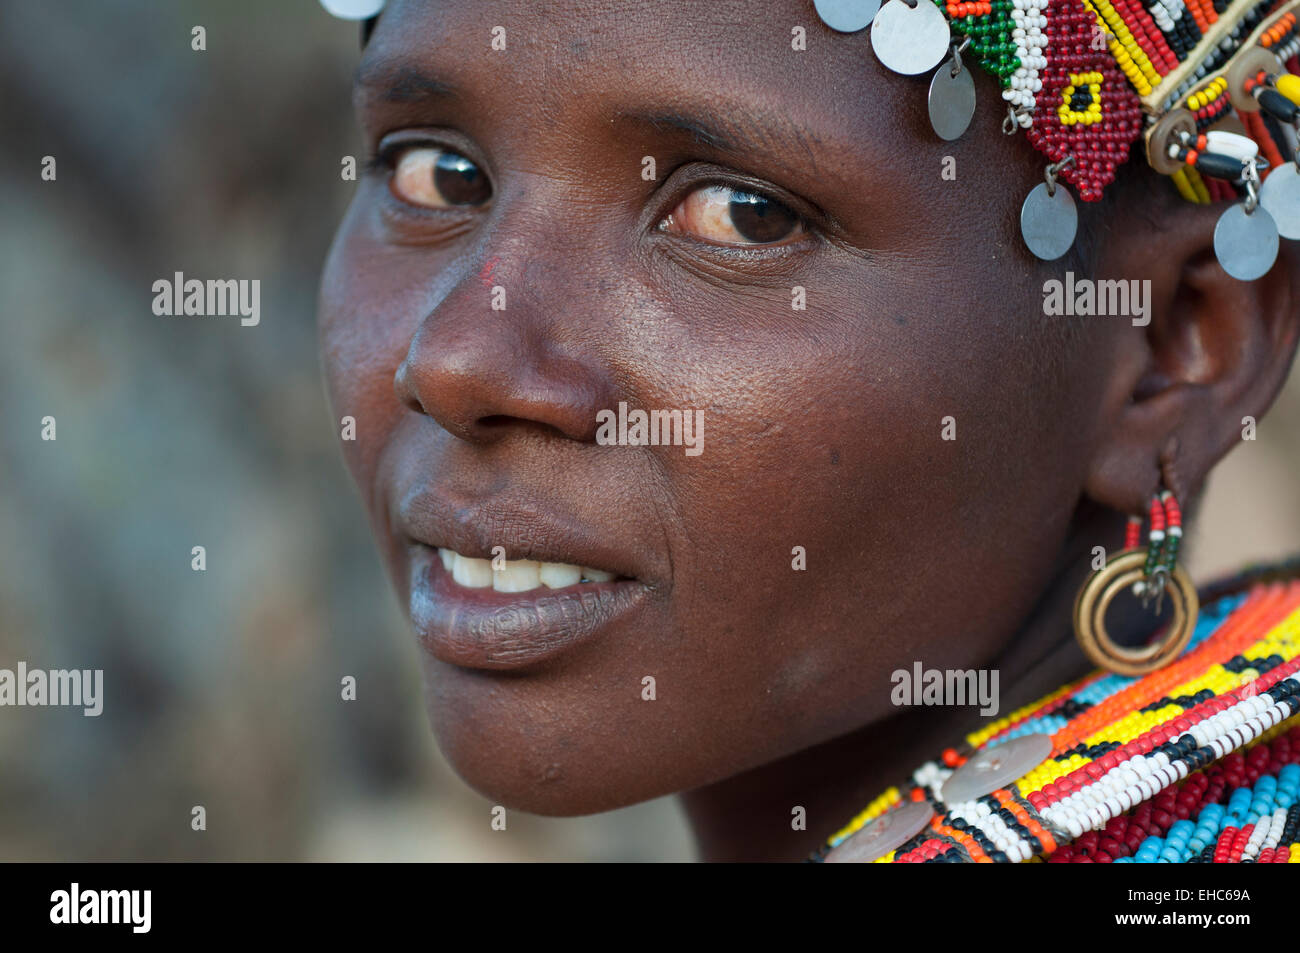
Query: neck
x=748 y=817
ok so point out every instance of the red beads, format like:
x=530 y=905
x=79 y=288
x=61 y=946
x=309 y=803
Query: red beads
x=1098 y=147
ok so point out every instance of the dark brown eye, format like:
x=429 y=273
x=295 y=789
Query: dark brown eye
x=727 y=216
x=436 y=178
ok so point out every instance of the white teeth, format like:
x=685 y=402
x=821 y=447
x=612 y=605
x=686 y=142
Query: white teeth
x=519 y=575
x=471 y=573
x=559 y=575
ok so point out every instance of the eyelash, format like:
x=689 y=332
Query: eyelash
x=810 y=218
x=384 y=157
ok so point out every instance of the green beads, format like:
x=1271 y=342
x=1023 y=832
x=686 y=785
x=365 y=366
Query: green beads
x=991 y=42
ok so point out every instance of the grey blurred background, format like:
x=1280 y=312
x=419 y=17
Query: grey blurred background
x=223 y=687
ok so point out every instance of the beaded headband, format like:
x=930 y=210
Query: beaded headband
x=1210 y=86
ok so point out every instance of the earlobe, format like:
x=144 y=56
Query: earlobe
x=1216 y=351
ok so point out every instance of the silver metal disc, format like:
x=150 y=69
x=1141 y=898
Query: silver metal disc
x=847 y=16
x=996 y=767
x=952 y=102
x=1049 y=222
x=910 y=39
x=1246 y=245
x=888 y=831
x=1280 y=196
x=352 y=9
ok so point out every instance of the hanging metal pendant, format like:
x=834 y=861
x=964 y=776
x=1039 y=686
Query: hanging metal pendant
x=910 y=37
x=1280 y=197
x=847 y=16
x=1049 y=222
x=352 y=9
x=1246 y=243
x=887 y=832
x=952 y=100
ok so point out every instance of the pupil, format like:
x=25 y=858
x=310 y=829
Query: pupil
x=759 y=219
x=459 y=181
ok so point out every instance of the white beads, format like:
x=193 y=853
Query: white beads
x=1030 y=41
x=1277 y=826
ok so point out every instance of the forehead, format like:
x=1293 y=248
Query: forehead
x=732 y=59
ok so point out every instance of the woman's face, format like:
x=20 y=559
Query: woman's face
x=779 y=176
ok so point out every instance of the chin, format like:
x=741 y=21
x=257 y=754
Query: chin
x=520 y=744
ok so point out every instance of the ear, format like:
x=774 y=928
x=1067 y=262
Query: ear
x=1216 y=351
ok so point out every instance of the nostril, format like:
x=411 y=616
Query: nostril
x=402 y=387
x=494 y=422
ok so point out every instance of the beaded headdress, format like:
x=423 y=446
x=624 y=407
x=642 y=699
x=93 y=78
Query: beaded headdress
x=1209 y=86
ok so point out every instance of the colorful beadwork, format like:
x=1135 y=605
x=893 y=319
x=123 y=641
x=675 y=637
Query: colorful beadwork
x=1081 y=100
x=1198 y=762
x=1097 y=64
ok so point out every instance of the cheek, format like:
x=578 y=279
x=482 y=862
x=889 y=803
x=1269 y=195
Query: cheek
x=365 y=326
x=833 y=528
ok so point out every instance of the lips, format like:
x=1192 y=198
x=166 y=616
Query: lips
x=506 y=588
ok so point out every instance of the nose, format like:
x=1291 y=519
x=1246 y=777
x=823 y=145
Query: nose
x=483 y=373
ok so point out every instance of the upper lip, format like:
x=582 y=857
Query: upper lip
x=473 y=529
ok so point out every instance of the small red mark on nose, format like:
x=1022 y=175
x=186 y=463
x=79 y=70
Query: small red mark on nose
x=486 y=274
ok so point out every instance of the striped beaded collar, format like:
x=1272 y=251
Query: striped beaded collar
x=1196 y=762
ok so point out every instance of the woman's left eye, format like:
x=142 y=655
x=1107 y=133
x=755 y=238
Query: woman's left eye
x=726 y=216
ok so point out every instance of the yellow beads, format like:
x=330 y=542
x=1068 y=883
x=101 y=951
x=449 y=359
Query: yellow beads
x=1184 y=186
x=1288 y=84
x=1049 y=771
x=1198 y=185
x=1133 y=724
x=1092 y=82
x=1130 y=57
x=1203 y=97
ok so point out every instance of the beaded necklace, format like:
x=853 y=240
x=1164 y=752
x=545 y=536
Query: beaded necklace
x=1198 y=761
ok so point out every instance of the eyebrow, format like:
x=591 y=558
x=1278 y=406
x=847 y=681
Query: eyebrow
x=765 y=133
x=401 y=83
x=701 y=131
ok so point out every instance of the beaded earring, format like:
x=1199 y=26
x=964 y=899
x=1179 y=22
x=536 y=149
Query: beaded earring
x=1149 y=573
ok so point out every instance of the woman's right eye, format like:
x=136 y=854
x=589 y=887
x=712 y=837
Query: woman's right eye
x=436 y=178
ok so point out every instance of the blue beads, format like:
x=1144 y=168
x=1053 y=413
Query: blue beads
x=1149 y=851
x=1044 y=724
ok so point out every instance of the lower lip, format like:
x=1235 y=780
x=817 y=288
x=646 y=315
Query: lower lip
x=486 y=629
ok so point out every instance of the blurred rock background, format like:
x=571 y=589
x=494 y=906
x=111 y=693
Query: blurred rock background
x=223 y=687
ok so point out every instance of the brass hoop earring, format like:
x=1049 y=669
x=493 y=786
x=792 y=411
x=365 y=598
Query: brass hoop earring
x=1095 y=598
x=1150 y=572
